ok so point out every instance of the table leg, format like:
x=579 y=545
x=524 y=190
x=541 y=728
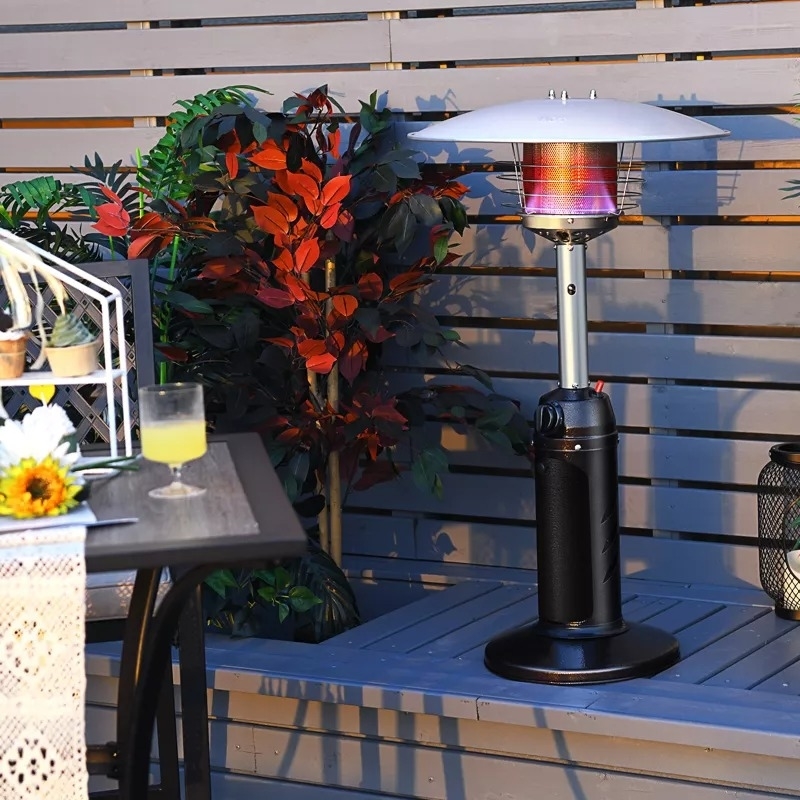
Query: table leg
x=134 y=643
x=153 y=659
x=194 y=701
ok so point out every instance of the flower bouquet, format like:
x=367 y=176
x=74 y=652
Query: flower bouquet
x=39 y=474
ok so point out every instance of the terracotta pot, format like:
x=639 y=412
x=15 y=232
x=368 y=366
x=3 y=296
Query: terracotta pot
x=12 y=356
x=74 y=361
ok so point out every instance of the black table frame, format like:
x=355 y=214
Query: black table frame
x=150 y=631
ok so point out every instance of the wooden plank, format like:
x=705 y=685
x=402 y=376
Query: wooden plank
x=366 y=636
x=753 y=137
x=441 y=773
x=668 y=193
x=640 y=455
x=753 y=669
x=784 y=681
x=43 y=12
x=765 y=412
x=511 y=498
x=613 y=355
x=715 y=82
x=204 y=48
x=682 y=615
x=723 y=621
x=678 y=247
x=49 y=149
x=419 y=639
x=693 y=302
x=721 y=27
x=729 y=192
x=704 y=664
x=643 y=607
x=448 y=545
x=619 y=753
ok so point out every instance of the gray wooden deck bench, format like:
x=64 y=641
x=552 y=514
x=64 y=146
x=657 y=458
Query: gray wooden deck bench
x=402 y=707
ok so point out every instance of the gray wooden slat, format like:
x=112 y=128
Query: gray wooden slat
x=613 y=355
x=457 y=544
x=671 y=192
x=650 y=507
x=43 y=150
x=682 y=615
x=752 y=137
x=391 y=624
x=785 y=681
x=710 y=629
x=520 y=610
x=42 y=12
x=642 y=608
x=446 y=773
x=218 y=47
x=765 y=412
x=678 y=247
x=718 y=82
x=615 y=299
x=640 y=455
x=705 y=664
x=753 y=669
x=721 y=27
x=414 y=638
x=729 y=192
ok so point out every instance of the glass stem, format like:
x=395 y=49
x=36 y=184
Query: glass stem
x=176 y=472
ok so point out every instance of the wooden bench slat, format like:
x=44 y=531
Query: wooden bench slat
x=707 y=631
x=475 y=634
x=751 y=670
x=456 y=618
x=737 y=645
x=400 y=620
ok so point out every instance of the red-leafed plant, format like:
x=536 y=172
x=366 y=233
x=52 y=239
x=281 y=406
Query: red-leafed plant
x=287 y=250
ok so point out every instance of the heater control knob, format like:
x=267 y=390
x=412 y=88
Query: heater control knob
x=549 y=419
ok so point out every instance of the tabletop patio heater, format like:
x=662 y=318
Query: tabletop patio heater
x=574 y=175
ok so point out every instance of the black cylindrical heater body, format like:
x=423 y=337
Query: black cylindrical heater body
x=779 y=529
x=576 y=504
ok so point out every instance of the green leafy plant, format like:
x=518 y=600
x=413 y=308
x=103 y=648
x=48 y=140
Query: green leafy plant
x=286 y=251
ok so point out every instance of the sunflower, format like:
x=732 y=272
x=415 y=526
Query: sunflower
x=34 y=488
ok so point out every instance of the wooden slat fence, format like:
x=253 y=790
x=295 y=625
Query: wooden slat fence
x=694 y=302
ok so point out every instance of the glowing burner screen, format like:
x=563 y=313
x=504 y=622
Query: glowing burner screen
x=565 y=178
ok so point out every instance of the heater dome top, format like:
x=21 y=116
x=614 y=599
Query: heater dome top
x=569 y=120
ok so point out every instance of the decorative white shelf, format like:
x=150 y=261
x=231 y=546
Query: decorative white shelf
x=47 y=378
x=108 y=299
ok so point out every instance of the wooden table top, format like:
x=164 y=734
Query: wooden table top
x=244 y=514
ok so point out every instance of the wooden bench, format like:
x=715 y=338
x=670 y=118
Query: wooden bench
x=403 y=707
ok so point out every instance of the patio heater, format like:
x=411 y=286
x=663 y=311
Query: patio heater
x=574 y=176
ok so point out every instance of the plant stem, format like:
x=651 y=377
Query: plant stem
x=334 y=477
x=164 y=367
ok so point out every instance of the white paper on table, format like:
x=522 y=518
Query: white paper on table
x=82 y=515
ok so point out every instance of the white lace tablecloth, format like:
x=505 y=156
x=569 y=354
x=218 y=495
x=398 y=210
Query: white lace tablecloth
x=42 y=675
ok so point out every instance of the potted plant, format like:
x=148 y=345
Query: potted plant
x=19 y=264
x=285 y=250
x=71 y=348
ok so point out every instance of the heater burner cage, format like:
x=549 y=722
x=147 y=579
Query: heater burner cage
x=575 y=179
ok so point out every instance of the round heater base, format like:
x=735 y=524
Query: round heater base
x=536 y=656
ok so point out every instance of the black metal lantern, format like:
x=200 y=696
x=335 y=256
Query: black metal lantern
x=779 y=529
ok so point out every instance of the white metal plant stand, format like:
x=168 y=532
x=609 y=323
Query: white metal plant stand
x=109 y=300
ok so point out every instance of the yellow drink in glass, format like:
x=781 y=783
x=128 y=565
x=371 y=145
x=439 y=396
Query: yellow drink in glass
x=172 y=429
x=173 y=442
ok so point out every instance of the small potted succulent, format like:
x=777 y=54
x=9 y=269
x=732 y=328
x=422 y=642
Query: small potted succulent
x=71 y=348
x=20 y=264
x=13 y=342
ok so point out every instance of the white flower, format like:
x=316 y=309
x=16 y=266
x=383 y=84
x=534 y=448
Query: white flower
x=39 y=434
